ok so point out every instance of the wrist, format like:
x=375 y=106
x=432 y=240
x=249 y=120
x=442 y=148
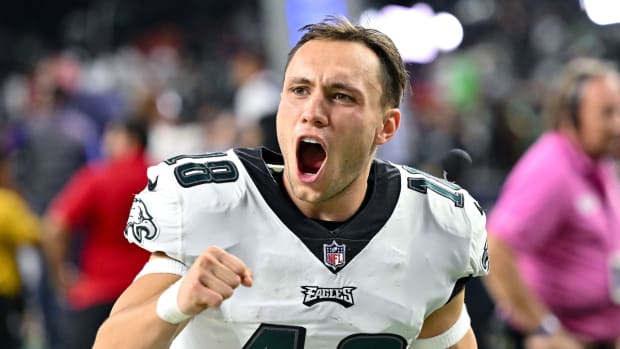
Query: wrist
x=549 y=325
x=168 y=306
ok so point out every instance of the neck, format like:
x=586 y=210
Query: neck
x=574 y=136
x=338 y=207
x=124 y=153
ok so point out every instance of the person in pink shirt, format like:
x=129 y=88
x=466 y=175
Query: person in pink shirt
x=554 y=233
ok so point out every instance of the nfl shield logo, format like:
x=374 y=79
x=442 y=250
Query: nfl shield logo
x=334 y=255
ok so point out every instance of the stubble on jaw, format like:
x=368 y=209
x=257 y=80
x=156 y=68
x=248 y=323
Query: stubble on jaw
x=320 y=207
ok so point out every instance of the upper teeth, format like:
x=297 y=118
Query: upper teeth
x=309 y=140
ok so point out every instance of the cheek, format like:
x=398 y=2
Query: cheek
x=358 y=140
x=603 y=128
x=284 y=124
x=283 y=134
x=598 y=132
x=357 y=126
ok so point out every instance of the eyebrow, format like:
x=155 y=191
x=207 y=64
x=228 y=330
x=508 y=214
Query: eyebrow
x=346 y=87
x=299 y=80
x=334 y=85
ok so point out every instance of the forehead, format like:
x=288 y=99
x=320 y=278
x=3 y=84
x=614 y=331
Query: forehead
x=328 y=60
x=602 y=90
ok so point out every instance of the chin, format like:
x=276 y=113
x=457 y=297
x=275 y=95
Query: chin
x=304 y=193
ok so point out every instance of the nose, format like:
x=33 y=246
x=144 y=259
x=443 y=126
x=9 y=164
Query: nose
x=315 y=110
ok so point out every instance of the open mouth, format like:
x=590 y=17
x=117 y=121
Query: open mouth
x=310 y=156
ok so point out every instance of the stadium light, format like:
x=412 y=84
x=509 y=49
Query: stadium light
x=419 y=33
x=602 y=12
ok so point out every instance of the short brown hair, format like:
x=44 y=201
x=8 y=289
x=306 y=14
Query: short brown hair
x=394 y=76
x=564 y=94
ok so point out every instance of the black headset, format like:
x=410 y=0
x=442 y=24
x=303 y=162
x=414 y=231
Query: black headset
x=574 y=97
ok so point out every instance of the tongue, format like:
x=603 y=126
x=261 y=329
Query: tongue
x=312 y=157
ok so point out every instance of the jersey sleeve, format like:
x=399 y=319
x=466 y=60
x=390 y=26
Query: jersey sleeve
x=468 y=225
x=478 y=247
x=189 y=204
x=458 y=219
x=155 y=220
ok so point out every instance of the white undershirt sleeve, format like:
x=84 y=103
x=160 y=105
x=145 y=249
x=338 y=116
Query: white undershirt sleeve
x=449 y=338
x=163 y=265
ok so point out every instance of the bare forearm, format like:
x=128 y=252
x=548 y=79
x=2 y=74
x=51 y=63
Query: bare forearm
x=510 y=291
x=55 y=243
x=136 y=327
x=135 y=319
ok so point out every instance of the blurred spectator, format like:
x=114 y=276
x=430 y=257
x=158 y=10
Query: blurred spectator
x=50 y=140
x=54 y=139
x=555 y=231
x=96 y=202
x=18 y=226
x=256 y=99
x=169 y=135
x=98 y=102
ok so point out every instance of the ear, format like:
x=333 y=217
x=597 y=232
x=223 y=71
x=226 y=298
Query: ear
x=387 y=129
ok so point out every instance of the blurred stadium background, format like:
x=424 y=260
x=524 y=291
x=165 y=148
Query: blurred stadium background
x=477 y=70
x=476 y=65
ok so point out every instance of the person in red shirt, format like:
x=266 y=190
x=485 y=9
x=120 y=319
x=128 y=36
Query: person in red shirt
x=95 y=204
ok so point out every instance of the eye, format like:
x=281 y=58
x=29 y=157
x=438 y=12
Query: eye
x=299 y=91
x=342 y=97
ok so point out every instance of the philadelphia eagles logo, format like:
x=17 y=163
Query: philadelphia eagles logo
x=316 y=294
x=140 y=223
x=485 y=257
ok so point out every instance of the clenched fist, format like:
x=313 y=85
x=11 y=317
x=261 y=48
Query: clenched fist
x=212 y=278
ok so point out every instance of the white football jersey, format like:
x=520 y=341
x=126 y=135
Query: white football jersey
x=368 y=283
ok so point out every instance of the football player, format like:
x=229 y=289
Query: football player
x=333 y=248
